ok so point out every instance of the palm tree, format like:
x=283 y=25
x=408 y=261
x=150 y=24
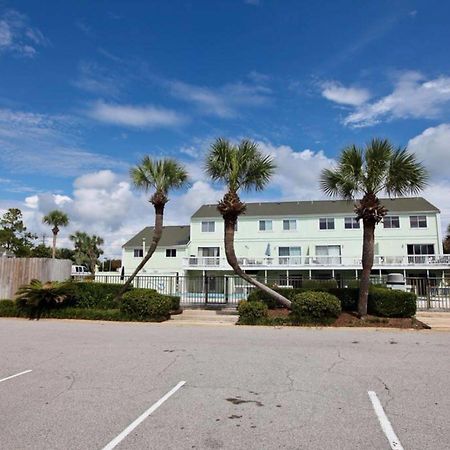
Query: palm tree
x=161 y=176
x=87 y=249
x=56 y=219
x=239 y=167
x=378 y=168
x=447 y=240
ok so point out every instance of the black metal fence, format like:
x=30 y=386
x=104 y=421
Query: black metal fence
x=432 y=293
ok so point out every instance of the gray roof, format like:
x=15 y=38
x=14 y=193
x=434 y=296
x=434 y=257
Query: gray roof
x=314 y=207
x=171 y=236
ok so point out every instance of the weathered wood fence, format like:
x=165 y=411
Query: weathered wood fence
x=15 y=272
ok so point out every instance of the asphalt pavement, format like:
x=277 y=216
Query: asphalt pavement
x=82 y=385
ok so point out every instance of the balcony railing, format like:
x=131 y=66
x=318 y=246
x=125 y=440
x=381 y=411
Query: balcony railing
x=317 y=261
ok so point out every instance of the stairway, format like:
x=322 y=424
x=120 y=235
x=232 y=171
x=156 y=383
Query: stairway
x=205 y=317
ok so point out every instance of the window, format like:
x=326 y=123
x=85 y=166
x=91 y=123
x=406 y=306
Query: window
x=208 y=227
x=289 y=224
x=289 y=255
x=328 y=254
x=391 y=222
x=417 y=253
x=418 y=221
x=265 y=225
x=351 y=223
x=138 y=253
x=209 y=256
x=326 y=223
x=171 y=253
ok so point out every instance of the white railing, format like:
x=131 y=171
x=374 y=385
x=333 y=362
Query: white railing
x=317 y=261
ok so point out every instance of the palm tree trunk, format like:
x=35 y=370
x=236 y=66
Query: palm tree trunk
x=157 y=233
x=230 y=223
x=367 y=263
x=54 y=245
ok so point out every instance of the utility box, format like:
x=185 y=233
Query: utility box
x=396 y=281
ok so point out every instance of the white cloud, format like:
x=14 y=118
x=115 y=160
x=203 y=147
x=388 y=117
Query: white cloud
x=298 y=171
x=433 y=147
x=45 y=144
x=413 y=97
x=224 y=101
x=135 y=116
x=17 y=37
x=337 y=93
x=95 y=79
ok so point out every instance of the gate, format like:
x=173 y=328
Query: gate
x=432 y=293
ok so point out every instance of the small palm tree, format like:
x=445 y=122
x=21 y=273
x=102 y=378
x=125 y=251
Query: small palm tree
x=378 y=168
x=160 y=176
x=56 y=219
x=87 y=249
x=239 y=167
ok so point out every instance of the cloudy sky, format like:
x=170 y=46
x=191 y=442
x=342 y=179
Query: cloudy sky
x=88 y=88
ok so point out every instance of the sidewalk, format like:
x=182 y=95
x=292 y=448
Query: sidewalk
x=436 y=320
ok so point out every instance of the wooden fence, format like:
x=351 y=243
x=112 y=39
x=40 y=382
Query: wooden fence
x=15 y=272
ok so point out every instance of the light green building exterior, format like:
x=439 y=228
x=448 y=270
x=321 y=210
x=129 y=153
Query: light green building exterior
x=284 y=241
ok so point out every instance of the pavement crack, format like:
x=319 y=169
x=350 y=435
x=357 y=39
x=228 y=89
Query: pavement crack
x=340 y=360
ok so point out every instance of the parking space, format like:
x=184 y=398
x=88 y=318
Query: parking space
x=246 y=387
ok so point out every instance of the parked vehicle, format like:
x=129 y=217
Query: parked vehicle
x=80 y=271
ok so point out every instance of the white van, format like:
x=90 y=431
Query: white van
x=80 y=271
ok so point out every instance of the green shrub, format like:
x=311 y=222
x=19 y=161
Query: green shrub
x=87 y=294
x=252 y=313
x=145 y=305
x=318 y=285
x=391 y=303
x=85 y=313
x=315 y=307
x=8 y=308
x=175 y=301
x=347 y=296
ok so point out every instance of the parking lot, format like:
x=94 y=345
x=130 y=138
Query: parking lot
x=95 y=385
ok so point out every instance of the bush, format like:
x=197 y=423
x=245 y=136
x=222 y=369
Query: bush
x=348 y=297
x=391 y=303
x=145 y=305
x=252 y=313
x=318 y=285
x=85 y=313
x=8 y=308
x=94 y=295
x=315 y=307
x=175 y=301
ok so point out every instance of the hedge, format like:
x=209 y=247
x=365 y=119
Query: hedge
x=315 y=307
x=385 y=302
x=94 y=295
x=175 y=302
x=252 y=313
x=146 y=305
x=8 y=308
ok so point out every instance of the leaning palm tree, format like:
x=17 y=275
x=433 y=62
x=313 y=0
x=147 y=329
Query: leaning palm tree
x=239 y=167
x=161 y=176
x=56 y=219
x=368 y=172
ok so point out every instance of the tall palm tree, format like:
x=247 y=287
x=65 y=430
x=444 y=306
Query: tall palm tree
x=160 y=176
x=87 y=249
x=378 y=168
x=239 y=167
x=447 y=240
x=56 y=219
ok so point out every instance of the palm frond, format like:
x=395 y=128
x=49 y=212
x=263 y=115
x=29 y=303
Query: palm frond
x=56 y=218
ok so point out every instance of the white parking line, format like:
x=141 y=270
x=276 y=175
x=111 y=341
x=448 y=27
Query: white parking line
x=16 y=375
x=142 y=417
x=394 y=442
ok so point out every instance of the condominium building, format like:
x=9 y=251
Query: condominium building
x=285 y=241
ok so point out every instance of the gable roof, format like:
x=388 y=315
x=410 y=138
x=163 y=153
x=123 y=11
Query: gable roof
x=314 y=207
x=172 y=235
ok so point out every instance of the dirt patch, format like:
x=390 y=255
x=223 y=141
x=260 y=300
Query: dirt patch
x=347 y=319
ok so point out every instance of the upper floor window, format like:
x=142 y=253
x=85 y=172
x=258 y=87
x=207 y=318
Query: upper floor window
x=138 y=253
x=326 y=223
x=391 y=222
x=171 y=253
x=420 y=249
x=351 y=223
x=289 y=224
x=265 y=225
x=208 y=227
x=418 y=221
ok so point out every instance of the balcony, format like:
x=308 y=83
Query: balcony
x=311 y=262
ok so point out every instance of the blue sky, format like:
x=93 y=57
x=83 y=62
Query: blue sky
x=88 y=88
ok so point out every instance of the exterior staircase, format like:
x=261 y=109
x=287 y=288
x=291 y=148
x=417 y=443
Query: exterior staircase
x=223 y=317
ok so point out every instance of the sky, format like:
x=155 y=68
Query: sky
x=88 y=88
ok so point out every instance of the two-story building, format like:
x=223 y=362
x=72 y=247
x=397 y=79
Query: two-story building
x=283 y=242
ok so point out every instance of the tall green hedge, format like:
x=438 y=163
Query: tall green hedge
x=314 y=307
x=145 y=305
x=391 y=303
x=93 y=295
